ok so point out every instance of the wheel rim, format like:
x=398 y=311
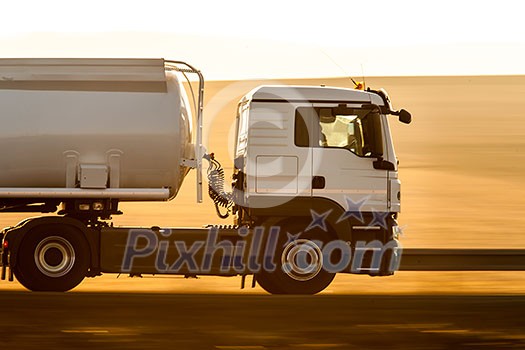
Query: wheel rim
x=302 y=260
x=54 y=256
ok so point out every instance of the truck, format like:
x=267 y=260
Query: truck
x=315 y=188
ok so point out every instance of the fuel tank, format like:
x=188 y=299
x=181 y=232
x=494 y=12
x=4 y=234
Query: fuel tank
x=93 y=124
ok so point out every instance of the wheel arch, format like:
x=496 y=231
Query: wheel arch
x=16 y=236
x=300 y=207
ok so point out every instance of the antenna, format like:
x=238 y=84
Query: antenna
x=356 y=84
x=363 y=73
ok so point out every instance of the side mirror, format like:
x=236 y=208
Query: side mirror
x=405 y=116
x=382 y=164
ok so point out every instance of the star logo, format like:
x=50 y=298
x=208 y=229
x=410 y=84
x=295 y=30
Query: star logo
x=318 y=220
x=292 y=238
x=353 y=209
x=379 y=219
x=401 y=229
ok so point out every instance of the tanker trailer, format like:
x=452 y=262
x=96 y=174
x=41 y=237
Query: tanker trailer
x=88 y=133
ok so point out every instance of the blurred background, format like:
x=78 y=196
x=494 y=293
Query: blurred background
x=458 y=71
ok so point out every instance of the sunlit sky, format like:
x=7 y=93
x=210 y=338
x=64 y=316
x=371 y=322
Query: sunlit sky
x=277 y=39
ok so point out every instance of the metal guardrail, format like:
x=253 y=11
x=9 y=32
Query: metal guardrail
x=462 y=260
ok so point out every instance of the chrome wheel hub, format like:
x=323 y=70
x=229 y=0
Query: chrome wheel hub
x=302 y=260
x=54 y=256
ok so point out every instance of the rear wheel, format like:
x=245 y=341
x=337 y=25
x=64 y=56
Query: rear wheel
x=52 y=258
x=299 y=262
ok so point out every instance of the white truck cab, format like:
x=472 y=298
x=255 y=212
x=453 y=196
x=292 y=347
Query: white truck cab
x=318 y=156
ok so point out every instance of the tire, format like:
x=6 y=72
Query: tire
x=267 y=283
x=52 y=258
x=19 y=277
x=294 y=278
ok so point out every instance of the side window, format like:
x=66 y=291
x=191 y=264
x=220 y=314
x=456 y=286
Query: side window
x=355 y=129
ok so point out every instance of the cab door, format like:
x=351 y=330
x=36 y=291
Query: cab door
x=343 y=158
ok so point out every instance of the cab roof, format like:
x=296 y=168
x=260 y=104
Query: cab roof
x=297 y=93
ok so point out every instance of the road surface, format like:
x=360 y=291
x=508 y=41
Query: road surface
x=79 y=320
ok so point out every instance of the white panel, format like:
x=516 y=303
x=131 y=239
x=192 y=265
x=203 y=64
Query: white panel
x=350 y=177
x=93 y=176
x=276 y=174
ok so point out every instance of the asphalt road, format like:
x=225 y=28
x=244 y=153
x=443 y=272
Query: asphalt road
x=80 y=320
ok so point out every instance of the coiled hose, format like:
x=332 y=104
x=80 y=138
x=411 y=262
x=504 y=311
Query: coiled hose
x=216 y=187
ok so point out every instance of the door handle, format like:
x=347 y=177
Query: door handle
x=318 y=182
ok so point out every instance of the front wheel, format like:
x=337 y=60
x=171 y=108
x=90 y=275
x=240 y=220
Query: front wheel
x=52 y=258
x=299 y=263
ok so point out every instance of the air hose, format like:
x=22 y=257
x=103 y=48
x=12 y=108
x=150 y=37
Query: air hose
x=216 y=187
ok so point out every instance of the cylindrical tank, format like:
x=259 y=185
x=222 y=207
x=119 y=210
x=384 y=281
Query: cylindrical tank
x=60 y=116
